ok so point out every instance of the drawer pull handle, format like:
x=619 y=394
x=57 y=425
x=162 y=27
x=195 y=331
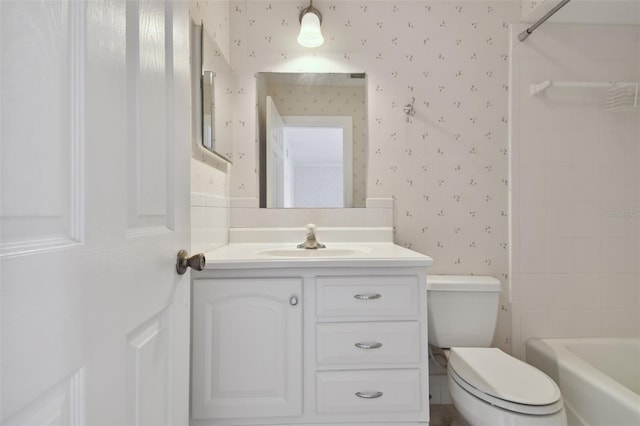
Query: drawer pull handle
x=369 y=345
x=368 y=296
x=368 y=395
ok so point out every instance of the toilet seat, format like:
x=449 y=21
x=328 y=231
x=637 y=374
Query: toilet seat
x=504 y=381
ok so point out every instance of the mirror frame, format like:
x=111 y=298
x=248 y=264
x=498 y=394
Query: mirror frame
x=198 y=149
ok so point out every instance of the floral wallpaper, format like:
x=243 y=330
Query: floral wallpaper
x=446 y=167
x=529 y=6
x=215 y=15
x=327 y=100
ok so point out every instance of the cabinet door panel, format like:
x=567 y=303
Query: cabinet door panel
x=247 y=348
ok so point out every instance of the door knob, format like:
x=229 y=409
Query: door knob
x=197 y=262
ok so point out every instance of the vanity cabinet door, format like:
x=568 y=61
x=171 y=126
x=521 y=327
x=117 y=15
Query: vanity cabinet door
x=247 y=348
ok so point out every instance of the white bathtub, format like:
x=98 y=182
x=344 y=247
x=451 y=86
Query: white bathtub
x=599 y=377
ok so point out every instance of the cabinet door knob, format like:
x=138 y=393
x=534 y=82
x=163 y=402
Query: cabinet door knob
x=368 y=296
x=375 y=345
x=369 y=395
x=293 y=300
x=197 y=262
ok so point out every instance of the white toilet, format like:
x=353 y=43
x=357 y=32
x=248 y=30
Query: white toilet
x=487 y=386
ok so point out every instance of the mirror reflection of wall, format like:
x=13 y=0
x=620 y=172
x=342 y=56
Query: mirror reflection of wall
x=313 y=140
x=208 y=110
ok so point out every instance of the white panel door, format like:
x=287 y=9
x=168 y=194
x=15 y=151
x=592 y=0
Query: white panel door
x=95 y=198
x=247 y=348
x=275 y=156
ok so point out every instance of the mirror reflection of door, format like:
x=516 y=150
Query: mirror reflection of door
x=309 y=161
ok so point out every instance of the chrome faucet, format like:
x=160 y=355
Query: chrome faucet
x=311 y=242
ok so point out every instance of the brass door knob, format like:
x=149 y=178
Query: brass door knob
x=197 y=262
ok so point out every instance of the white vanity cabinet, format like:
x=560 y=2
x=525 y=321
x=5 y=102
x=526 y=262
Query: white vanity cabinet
x=352 y=350
x=370 y=346
x=247 y=348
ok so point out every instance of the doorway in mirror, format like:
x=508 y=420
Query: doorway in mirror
x=309 y=161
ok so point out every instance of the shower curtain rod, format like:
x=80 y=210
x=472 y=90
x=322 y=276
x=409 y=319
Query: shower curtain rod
x=523 y=35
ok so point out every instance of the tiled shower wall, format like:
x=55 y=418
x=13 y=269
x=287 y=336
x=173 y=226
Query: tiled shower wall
x=575 y=175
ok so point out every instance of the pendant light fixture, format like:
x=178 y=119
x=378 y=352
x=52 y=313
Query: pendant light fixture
x=310 y=33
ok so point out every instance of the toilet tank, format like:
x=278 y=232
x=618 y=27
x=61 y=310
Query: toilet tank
x=462 y=310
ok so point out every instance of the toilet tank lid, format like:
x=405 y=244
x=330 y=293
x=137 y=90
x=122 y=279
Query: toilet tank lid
x=463 y=283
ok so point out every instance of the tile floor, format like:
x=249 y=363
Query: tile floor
x=442 y=414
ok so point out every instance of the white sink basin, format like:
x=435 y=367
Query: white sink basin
x=325 y=252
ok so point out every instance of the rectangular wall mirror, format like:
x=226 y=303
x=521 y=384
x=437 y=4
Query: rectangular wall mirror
x=312 y=133
x=213 y=84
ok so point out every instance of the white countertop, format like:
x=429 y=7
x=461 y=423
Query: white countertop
x=337 y=254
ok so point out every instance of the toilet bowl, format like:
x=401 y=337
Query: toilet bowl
x=487 y=386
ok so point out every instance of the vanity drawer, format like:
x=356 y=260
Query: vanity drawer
x=368 y=391
x=368 y=343
x=390 y=296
